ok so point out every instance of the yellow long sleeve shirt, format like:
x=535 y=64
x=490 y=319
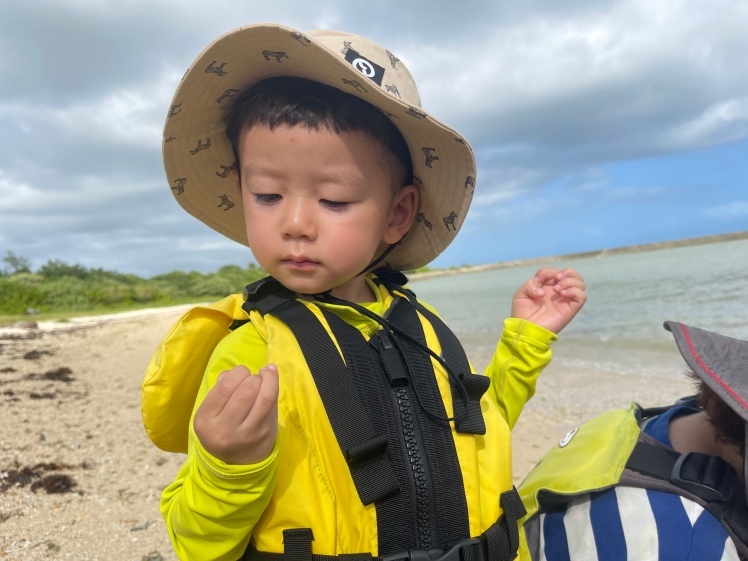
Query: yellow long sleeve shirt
x=213 y=509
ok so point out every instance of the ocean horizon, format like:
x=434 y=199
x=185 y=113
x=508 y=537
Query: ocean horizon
x=630 y=295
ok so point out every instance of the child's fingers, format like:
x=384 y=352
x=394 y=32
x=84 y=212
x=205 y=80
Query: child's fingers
x=569 y=282
x=266 y=399
x=531 y=288
x=574 y=294
x=241 y=401
x=568 y=272
x=546 y=276
x=221 y=393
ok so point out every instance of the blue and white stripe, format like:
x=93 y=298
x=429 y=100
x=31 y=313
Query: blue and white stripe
x=628 y=524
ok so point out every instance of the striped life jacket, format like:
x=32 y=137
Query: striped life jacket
x=612 y=451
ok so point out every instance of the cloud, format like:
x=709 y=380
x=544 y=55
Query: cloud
x=548 y=93
x=732 y=211
x=634 y=193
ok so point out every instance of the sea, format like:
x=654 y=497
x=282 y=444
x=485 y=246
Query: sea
x=630 y=295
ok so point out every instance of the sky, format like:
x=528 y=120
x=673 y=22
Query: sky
x=595 y=124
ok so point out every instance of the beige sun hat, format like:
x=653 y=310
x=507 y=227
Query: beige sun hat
x=198 y=158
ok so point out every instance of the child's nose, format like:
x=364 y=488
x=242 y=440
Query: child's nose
x=299 y=221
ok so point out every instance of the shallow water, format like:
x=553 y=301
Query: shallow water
x=630 y=296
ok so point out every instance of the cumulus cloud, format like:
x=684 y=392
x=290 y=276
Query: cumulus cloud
x=548 y=93
x=732 y=211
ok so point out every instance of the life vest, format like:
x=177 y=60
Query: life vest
x=386 y=411
x=175 y=371
x=611 y=450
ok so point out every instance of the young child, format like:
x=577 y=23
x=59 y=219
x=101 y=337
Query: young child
x=343 y=418
x=665 y=484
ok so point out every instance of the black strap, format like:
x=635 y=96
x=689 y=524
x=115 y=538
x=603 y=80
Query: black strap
x=397 y=514
x=499 y=543
x=363 y=449
x=471 y=422
x=297 y=544
x=706 y=477
x=367 y=451
x=450 y=505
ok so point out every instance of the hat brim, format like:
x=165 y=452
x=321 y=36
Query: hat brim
x=720 y=361
x=198 y=158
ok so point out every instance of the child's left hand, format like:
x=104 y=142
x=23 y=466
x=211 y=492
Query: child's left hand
x=550 y=299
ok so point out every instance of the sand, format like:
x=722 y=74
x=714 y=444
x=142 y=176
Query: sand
x=70 y=418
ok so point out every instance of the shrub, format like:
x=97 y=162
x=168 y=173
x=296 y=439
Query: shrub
x=16 y=298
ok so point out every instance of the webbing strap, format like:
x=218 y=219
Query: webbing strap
x=499 y=543
x=450 y=513
x=397 y=514
x=471 y=422
x=297 y=544
x=708 y=478
x=362 y=447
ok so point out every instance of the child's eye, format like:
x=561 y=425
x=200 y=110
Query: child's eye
x=335 y=205
x=266 y=198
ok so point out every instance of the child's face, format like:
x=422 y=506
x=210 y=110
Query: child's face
x=319 y=207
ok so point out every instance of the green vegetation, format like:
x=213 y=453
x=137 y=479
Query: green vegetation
x=58 y=287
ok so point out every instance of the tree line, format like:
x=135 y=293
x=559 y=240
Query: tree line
x=61 y=287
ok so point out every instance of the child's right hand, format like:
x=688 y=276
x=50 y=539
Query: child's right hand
x=238 y=420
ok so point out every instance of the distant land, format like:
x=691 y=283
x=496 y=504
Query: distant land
x=686 y=242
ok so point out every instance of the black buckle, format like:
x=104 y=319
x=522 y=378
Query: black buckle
x=451 y=554
x=708 y=477
x=265 y=295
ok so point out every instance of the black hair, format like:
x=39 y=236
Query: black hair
x=291 y=102
x=729 y=426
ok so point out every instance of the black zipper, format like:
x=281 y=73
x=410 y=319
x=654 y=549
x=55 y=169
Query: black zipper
x=418 y=467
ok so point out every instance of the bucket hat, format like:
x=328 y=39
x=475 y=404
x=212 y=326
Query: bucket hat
x=722 y=363
x=198 y=159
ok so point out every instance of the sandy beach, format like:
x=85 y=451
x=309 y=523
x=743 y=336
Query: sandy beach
x=80 y=480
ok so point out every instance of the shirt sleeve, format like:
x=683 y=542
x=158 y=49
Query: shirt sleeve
x=523 y=351
x=211 y=507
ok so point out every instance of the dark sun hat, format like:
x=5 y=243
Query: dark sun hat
x=198 y=158
x=722 y=363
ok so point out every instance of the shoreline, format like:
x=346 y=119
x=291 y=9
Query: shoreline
x=79 y=322
x=597 y=254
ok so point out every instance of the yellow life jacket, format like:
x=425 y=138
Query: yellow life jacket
x=611 y=450
x=285 y=349
x=176 y=369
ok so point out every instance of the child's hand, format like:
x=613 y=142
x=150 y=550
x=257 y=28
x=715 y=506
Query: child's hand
x=550 y=299
x=238 y=420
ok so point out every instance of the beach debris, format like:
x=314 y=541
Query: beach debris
x=36 y=355
x=44 y=395
x=32 y=311
x=35 y=477
x=62 y=374
x=51 y=546
x=153 y=556
x=144 y=526
x=55 y=483
x=5 y=516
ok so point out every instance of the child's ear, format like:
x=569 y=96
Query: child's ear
x=403 y=212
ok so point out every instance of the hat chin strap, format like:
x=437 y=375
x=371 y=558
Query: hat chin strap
x=381 y=257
